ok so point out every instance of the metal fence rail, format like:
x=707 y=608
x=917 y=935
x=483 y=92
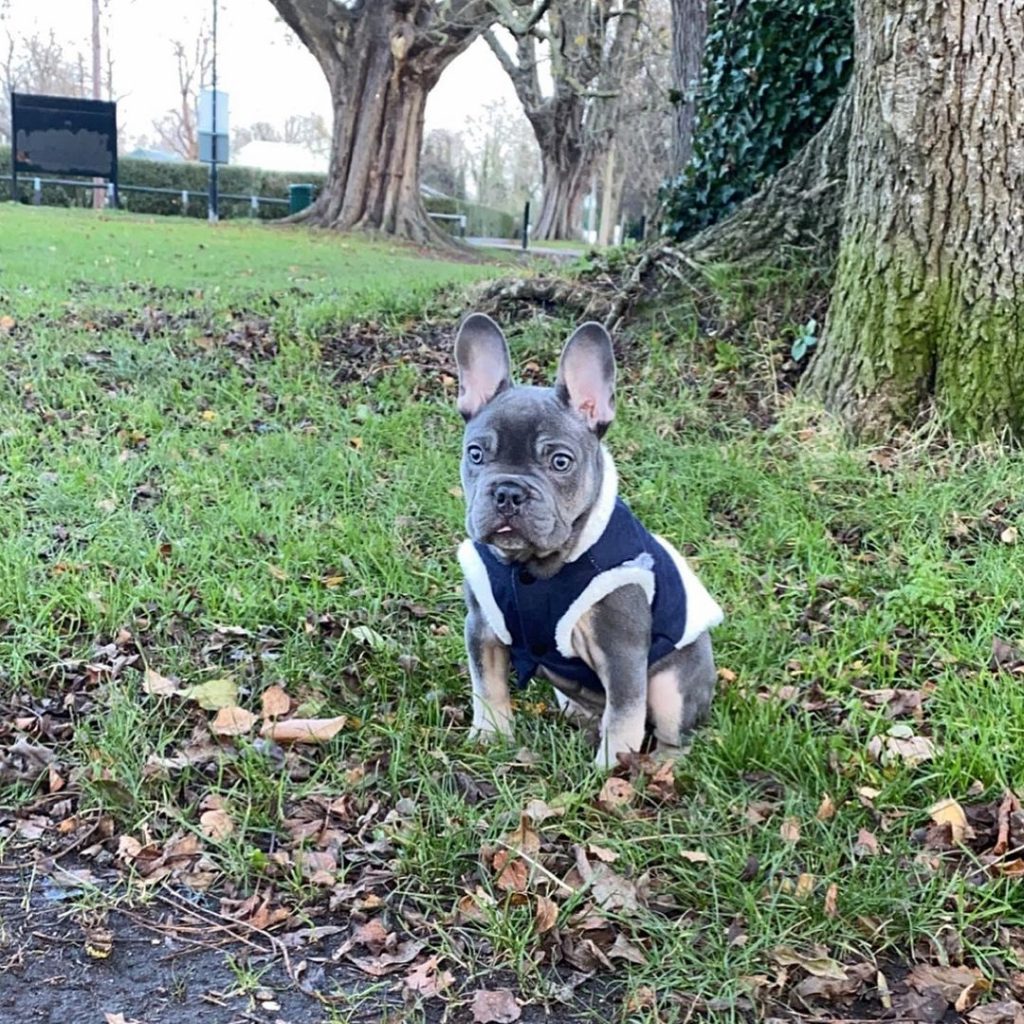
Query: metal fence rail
x=186 y=194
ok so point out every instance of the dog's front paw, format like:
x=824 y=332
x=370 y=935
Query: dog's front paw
x=488 y=733
x=624 y=739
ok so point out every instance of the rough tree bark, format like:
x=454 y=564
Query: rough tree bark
x=689 y=28
x=590 y=44
x=381 y=59
x=928 y=302
x=798 y=210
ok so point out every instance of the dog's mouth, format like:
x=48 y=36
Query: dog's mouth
x=508 y=537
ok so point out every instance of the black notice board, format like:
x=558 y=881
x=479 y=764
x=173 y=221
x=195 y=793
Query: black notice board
x=63 y=135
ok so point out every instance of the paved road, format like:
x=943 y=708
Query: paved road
x=535 y=249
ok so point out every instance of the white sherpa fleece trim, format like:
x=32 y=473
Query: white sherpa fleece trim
x=702 y=610
x=596 y=590
x=475 y=571
x=602 y=511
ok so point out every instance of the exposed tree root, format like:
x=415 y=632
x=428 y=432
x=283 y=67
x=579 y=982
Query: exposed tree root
x=794 y=217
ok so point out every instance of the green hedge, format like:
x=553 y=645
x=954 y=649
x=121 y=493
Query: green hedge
x=247 y=181
x=481 y=221
x=773 y=70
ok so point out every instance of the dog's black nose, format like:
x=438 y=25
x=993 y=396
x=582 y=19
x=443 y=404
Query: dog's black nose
x=508 y=497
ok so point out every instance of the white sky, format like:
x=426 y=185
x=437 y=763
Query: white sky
x=266 y=71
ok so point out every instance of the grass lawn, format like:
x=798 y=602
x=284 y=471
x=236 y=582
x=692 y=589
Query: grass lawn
x=207 y=470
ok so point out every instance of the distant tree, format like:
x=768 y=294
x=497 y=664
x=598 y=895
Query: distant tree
x=258 y=131
x=309 y=130
x=38 y=63
x=689 y=28
x=444 y=161
x=504 y=162
x=381 y=59
x=589 y=47
x=640 y=157
x=178 y=129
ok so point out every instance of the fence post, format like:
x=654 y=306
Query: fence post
x=184 y=202
x=462 y=225
x=110 y=194
x=526 y=225
x=37 y=192
x=254 y=206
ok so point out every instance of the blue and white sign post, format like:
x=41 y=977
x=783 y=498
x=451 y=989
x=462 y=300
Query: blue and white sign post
x=213 y=128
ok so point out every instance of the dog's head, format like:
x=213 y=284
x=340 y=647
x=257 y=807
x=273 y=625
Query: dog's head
x=532 y=460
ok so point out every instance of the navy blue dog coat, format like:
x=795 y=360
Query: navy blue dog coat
x=535 y=617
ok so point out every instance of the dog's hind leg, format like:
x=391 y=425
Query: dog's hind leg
x=679 y=692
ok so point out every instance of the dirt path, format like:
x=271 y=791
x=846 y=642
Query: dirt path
x=151 y=967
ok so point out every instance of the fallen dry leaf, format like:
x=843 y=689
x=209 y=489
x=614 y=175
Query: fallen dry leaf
x=969 y=997
x=513 y=873
x=868 y=795
x=642 y=998
x=790 y=830
x=427 y=980
x=274 y=702
x=831 y=900
x=158 y=685
x=545 y=915
x=615 y=794
x=818 y=964
x=833 y=989
x=1007 y=1012
x=826 y=809
x=216 y=824
x=213 y=694
x=495 y=1006
x=623 y=949
x=539 y=810
x=866 y=844
x=950 y=981
x=304 y=730
x=524 y=839
x=949 y=812
x=900 y=744
x=661 y=785
x=695 y=856
x=1006 y=655
x=389 y=960
x=232 y=721
x=804 y=886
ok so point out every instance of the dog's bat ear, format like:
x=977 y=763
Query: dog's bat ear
x=484 y=367
x=586 y=376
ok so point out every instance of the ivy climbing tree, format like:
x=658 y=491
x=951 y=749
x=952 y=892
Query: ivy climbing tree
x=773 y=71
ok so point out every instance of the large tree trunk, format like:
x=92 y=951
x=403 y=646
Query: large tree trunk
x=689 y=28
x=381 y=59
x=373 y=180
x=565 y=182
x=928 y=302
x=590 y=50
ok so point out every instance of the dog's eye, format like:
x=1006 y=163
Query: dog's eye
x=560 y=462
x=475 y=454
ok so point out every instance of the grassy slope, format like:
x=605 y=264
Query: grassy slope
x=168 y=485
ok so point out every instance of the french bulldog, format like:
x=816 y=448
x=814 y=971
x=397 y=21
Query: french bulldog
x=561 y=580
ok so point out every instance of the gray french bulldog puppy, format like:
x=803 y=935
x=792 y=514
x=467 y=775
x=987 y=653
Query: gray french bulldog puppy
x=562 y=581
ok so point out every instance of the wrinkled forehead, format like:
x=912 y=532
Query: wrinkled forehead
x=529 y=413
